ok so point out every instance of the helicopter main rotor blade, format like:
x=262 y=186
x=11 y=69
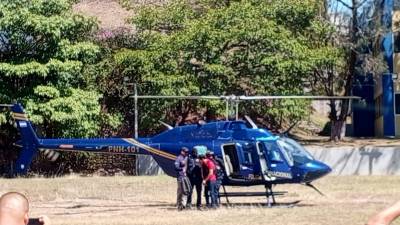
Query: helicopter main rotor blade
x=315 y=188
x=166 y=125
x=251 y=122
x=241 y=98
x=299 y=97
x=179 y=97
x=5 y=105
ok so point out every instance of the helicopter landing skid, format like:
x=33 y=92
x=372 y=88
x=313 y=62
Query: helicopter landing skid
x=269 y=194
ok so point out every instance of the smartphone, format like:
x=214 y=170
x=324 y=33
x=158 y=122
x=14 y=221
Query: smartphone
x=34 y=221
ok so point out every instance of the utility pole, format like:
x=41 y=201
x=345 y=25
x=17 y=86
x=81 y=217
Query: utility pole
x=227 y=110
x=128 y=86
x=136 y=111
x=237 y=109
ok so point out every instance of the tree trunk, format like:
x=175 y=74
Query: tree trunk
x=338 y=123
x=338 y=130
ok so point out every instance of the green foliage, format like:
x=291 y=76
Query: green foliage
x=70 y=113
x=86 y=52
x=249 y=47
x=170 y=17
x=44 y=50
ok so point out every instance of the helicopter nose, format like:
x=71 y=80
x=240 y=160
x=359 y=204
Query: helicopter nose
x=314 y=170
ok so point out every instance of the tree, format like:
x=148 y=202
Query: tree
x=347 y=35
x=223 y=47
x=44 y=48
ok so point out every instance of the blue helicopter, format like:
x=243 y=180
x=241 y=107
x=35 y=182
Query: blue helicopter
x=247 y=154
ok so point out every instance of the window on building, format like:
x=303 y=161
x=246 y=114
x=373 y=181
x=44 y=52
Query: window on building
x=397 y=103
x=396 y=40
x=396 y=5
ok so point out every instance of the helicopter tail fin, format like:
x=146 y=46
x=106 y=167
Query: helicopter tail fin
x=29 y=140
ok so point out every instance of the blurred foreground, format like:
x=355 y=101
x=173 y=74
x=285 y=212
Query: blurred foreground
x=150 y=200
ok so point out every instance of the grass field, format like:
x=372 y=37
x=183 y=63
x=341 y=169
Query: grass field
x=150 y=200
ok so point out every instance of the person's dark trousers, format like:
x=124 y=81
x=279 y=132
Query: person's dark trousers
x=213 y=193
x=219 y=183
x=198 y=185
x=207 y=193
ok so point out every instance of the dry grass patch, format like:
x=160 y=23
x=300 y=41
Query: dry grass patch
x=150 y=200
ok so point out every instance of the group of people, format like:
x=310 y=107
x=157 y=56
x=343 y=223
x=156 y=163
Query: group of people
x=199 y=171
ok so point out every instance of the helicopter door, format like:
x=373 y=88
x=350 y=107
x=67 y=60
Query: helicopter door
x=231 y=160
x=263 y=162
x=277 y=161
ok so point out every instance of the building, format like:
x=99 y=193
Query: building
x=379 y=113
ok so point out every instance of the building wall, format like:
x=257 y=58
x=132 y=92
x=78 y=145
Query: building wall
x=364 y=111
x=386 y=90
x=384 y=94
x=396 y=62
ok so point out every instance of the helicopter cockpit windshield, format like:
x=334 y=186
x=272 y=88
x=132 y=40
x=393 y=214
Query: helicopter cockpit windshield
x=294 y=151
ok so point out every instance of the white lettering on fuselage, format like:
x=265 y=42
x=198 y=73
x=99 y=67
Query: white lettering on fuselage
x=279 y=174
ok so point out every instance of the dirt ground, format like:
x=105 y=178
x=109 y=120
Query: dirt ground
x=150 y=200
x=109 y=13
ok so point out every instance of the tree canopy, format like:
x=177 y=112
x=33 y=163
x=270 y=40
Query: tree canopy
x=75 y=81
x=248 y=47
x=44 y=48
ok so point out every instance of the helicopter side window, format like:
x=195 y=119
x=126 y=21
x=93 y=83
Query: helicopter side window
x=295 y=151
x=248 y=157
x=248 y=154
x=237 y=126
x=273 y=152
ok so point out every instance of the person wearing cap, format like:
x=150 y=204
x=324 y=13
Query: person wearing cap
x=195 y=176
x=183 y=189
x=210 y=180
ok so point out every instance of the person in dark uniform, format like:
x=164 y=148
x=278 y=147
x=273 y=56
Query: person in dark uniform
x=181 y=164
x=195 y=177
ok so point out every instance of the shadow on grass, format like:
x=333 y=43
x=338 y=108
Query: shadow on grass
x=90 y=209
x=169 y=206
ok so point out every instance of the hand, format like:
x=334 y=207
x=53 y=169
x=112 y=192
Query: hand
x=204 y=183
x=386 y=216
x=44 y=220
